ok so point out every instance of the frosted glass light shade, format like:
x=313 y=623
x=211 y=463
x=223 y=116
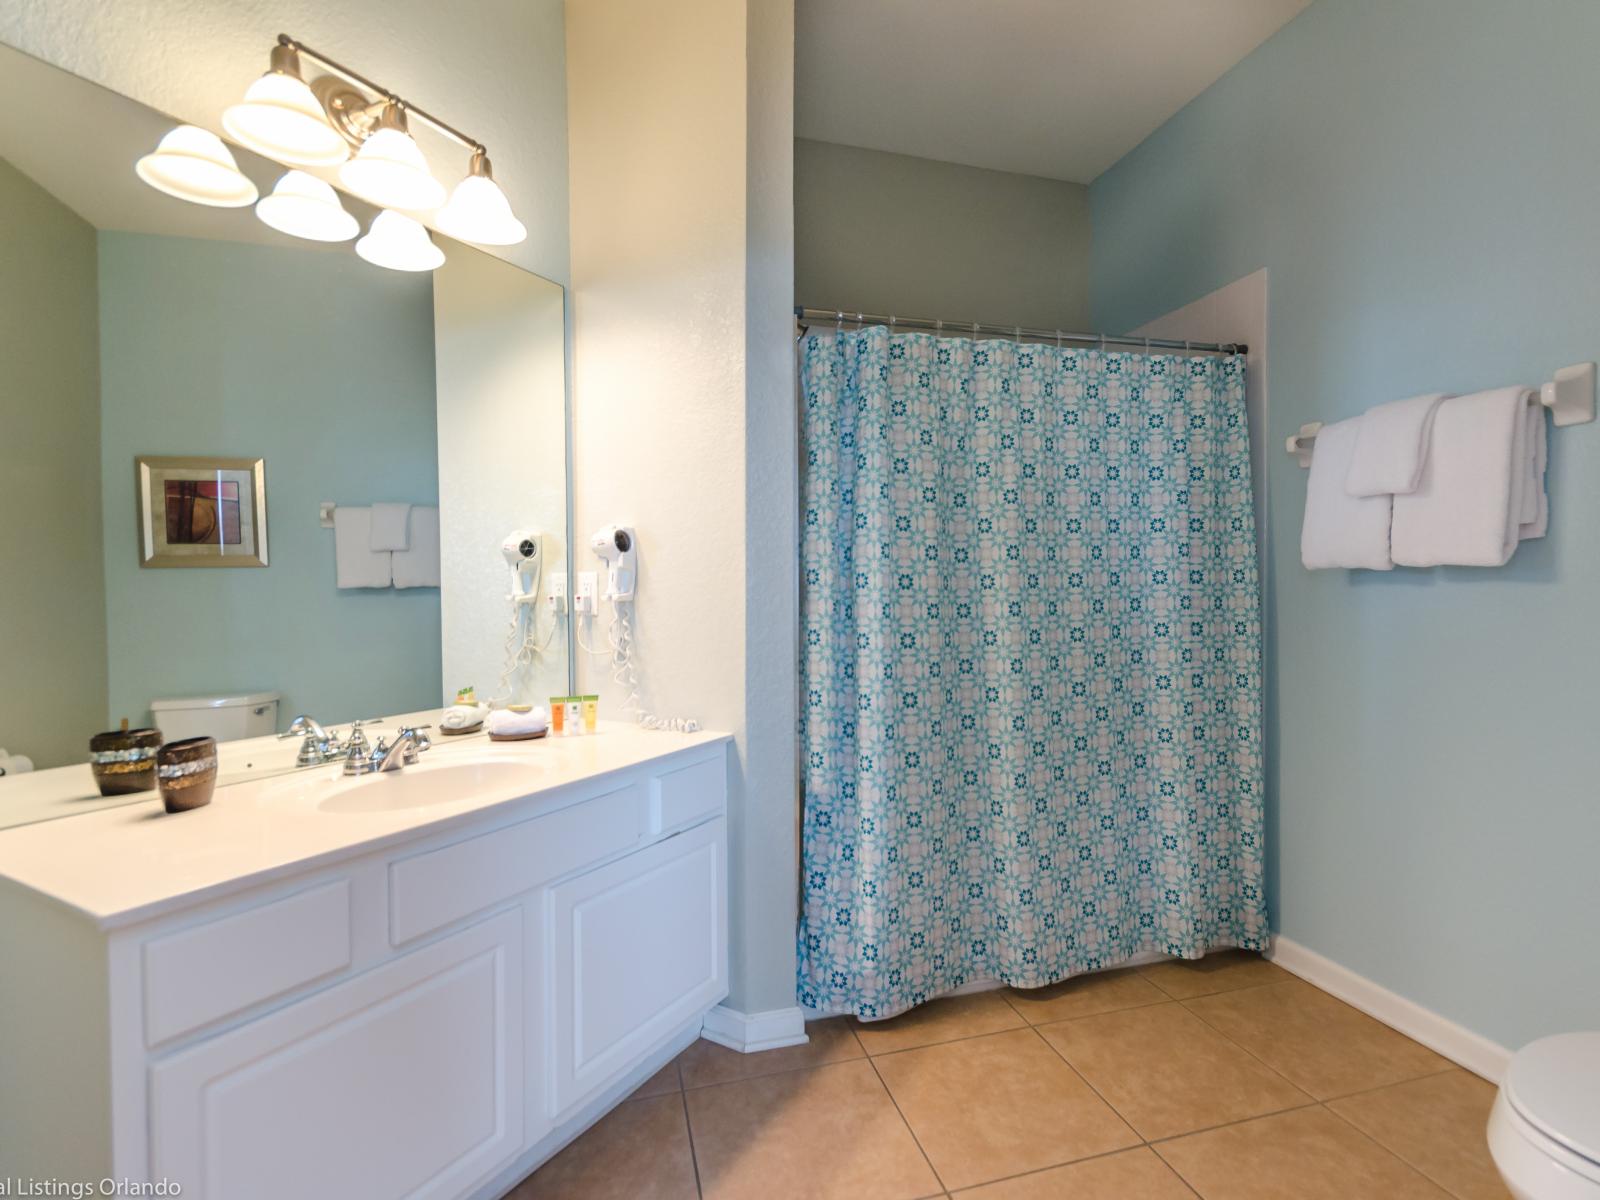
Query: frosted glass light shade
x=399 y=243
x=279 y=117
x=193 y=164
x=303 y=206
x=478 y=211
x=389 y=171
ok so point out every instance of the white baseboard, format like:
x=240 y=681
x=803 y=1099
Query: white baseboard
x=1440 y=1034
x=749 y=1032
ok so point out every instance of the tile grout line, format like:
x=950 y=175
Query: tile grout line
x=688 y=1127
x=1393 y=1083
x=1225 y=1035
x=1390 y=1149
x=904 y=1120
x=1084 y=1079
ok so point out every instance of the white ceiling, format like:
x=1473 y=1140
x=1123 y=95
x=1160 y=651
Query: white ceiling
x=1058 y=88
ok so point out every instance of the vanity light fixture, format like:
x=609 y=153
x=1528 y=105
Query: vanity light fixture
x=194 y=164
x=389 y=169
x=478 y=210
x=281 y=118
x=319 y=124
x=400 y=243
x=303 y=206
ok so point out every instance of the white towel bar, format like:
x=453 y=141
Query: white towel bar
x=1569 y=397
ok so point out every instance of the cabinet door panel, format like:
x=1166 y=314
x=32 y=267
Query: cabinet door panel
x=640 y=947
x=405 y=1081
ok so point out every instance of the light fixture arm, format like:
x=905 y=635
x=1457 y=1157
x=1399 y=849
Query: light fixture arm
x=355 y=115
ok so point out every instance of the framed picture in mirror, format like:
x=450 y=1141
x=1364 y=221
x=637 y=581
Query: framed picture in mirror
x=202 y=512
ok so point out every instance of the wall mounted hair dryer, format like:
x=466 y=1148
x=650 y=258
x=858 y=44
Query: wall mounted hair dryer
x=615 y=546
x=523 y=551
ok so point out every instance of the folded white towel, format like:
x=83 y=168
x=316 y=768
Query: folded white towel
x=1535 y=501
x=389 y=526
x=1342 y=530
x=357 y=565
x=1468 y=509
x=418 y=564
x=1391 y=446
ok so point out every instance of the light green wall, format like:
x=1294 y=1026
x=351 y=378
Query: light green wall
x=893 y=234
x=1420 y=181
x=52 y=586
x=322 y=365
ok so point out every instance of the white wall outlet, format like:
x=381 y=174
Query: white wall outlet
x=584 y=599
x=555 y=594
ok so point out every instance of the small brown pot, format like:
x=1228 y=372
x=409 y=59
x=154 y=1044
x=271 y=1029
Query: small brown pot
x=124 y=761
x=188 y=773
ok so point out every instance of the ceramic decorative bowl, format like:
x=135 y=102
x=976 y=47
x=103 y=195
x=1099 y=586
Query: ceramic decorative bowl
x=188 y=773
x=124 y=761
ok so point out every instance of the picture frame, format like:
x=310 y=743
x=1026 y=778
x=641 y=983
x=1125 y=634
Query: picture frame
x=202 y=512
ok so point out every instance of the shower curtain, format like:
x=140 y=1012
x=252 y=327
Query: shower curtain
x=1031 y=706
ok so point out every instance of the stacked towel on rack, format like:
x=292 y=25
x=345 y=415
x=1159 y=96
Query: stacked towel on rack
x=356 y=563
x=418 y=564
x=1482 y=487
x=1342 y=530
x=1392 y=446
x=391 y=526
x=359 y=532
x=1429 y=481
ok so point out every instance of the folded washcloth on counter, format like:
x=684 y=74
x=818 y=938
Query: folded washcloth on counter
x=390 y=524
x=1482 y=486
x=1341 y=530
x=1391 y=445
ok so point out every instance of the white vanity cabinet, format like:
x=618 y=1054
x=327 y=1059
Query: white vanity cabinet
x=430 y=1018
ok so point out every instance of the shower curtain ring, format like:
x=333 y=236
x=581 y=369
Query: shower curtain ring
x=1102 y=343
x=860 y=323
x=1058 y=339
x=838 y=322
x=1147 y=345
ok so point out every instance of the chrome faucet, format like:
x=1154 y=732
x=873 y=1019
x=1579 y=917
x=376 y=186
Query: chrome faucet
x=323 y=745
x=409 y=741
x=319 y=745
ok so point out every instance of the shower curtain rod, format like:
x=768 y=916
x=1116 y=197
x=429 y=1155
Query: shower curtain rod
x=820 y=316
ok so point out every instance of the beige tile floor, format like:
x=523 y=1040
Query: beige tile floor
x=1227 y=1079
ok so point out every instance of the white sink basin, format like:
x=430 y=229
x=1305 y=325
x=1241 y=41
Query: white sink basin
x=424 y=786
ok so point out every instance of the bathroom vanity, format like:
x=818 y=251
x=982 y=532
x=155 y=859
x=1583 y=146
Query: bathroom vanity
x=420 y=984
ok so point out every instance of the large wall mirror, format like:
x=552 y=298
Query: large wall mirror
x=188 y=398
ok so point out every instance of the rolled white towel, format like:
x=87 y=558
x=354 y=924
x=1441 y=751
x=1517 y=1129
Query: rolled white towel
x=14 y=764
x=1341 y=530
x=1391 y=446
x=506 y=722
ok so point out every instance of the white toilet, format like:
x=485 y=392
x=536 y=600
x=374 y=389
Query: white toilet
x=226 y=718
x=1544 y=1131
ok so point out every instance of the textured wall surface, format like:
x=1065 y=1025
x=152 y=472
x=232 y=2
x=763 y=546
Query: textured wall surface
x=1419 y=179
x=53 y=598
x=663 y=278
x=888 y=233
x=492 y=68
x=315 y=362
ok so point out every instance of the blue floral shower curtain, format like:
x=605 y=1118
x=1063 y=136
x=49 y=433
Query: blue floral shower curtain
x=1030 y=665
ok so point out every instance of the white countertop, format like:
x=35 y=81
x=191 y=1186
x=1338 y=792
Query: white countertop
x=128 y=863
